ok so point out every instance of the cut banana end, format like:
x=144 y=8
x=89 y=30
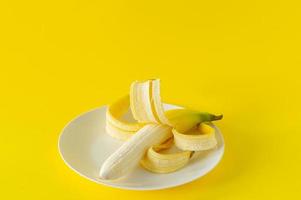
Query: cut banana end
x=202 y=139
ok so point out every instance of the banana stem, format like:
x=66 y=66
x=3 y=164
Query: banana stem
x=217 y=117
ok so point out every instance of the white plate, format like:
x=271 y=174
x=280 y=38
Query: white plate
x=84 y=145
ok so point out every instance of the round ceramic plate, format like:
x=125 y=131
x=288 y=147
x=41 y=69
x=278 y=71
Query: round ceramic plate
x=84 y=145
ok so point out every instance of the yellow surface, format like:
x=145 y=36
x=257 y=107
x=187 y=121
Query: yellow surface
x=240 y=58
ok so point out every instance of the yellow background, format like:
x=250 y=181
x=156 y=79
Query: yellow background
x=240 y=58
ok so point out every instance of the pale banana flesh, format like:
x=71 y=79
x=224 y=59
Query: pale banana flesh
x=153 y=131
x=130 y=153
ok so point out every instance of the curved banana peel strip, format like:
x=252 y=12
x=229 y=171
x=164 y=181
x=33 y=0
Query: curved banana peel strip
x=188 y=130
x=164 y=163
x=116 y=110
x=117 y=133
x=157 y=104
x=203 y=139
x=140 y=101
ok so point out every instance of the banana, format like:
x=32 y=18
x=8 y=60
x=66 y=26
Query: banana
x=153 y=131
x=128 y=156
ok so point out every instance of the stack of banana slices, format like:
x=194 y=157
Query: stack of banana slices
x=153 y=132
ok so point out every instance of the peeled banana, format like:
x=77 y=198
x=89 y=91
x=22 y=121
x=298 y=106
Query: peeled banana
x=154 y=131
x=130 y=153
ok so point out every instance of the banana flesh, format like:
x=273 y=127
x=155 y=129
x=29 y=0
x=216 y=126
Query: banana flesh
x=181 y=128
x=128 y=156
